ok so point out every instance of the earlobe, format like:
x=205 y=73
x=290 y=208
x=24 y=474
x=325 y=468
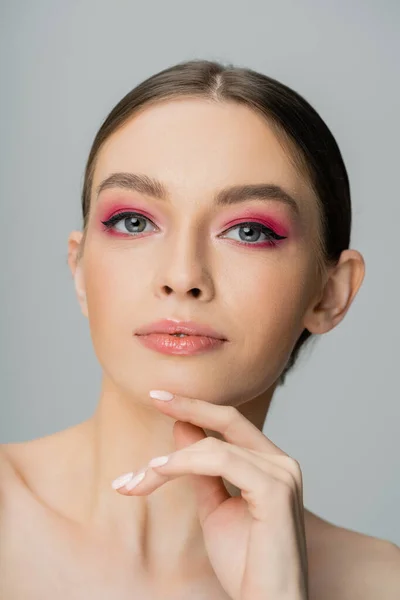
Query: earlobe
x=339 y=290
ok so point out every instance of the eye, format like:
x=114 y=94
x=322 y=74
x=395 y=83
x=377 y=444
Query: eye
x=131 y=221
x=253 y=231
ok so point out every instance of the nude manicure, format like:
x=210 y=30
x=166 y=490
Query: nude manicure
x=122 y=480
x=134 y=482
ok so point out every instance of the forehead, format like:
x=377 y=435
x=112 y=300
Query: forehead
x=196 y=146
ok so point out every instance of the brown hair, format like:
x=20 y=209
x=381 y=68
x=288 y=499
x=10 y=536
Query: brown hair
x=310 y=144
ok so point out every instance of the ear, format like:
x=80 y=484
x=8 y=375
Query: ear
x=340 y=287
x=76 y=266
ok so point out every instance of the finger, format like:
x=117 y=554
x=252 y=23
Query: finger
x=264 y=492
x=290 y=470
x=226 y=420
x=283 y=468
x=210 y=491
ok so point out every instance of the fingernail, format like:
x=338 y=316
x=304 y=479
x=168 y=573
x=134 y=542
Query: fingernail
x=158 y=461
x=161 y=395
x=122 y=480
x=137 y=479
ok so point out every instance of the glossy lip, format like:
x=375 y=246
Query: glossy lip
x=188 y=327
x=190 y=345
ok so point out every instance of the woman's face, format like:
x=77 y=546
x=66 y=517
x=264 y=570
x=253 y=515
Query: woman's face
x=253 y=289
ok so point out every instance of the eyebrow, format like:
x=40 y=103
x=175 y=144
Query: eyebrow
x=225 y=197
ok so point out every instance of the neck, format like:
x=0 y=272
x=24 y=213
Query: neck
x=121 y=436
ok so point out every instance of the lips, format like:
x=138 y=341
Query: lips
x=189 y=327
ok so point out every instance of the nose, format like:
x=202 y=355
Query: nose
x=183 y=270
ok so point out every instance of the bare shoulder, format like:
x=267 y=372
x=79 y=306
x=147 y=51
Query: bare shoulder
x=377 y=568
x=6 y=467
x=8 y=479
x=382 y=570
x=29 y=468
x=8 y=472
x=22 y=464
x=33 y=459
x=352 y=566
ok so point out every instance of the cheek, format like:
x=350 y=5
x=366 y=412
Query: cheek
x=112 y=292
x=270 y=305
x=267 y=329
x=274 y=287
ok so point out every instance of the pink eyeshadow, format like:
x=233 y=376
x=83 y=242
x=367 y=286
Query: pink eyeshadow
x=250 y=214
x=119 y=208
x=269 y=221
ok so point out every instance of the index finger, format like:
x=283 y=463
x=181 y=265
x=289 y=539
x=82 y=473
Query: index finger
x=227 y=420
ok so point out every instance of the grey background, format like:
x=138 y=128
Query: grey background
x=64 y=65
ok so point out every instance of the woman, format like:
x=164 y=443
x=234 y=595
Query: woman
x=214 y=195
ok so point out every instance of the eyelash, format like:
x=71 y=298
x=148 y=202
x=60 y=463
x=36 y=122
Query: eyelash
x=274 y=238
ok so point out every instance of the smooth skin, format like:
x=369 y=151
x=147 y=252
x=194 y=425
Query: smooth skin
x=265 y=524
x=62 y=524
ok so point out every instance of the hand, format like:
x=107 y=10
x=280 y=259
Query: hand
x=255 y=542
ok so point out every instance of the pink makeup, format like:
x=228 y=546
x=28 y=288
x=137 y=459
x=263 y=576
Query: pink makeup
x=169 y=344
x=121 y=207
x=277 y=229
x=251 y=215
